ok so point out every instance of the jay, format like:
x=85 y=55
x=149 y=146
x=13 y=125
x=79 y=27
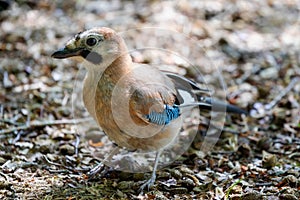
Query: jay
x=138 y=106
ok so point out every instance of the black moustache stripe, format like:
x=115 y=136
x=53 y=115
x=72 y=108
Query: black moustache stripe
x=91 y=56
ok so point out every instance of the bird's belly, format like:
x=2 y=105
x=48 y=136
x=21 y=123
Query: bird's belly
x=160 y=140
x=157 y=141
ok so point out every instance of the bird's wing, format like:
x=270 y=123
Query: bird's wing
x=153 y=104
x=153 y=97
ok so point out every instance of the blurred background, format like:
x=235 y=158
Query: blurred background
x=255 y=44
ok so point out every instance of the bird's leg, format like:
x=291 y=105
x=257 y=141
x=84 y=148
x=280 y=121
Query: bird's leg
x=100 y=166
x=151 y=181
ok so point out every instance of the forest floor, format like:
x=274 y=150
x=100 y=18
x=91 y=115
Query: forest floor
x=250 y=46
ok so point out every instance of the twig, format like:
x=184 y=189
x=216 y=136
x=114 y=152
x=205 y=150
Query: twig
x=36 y=124
x=275 y=101
x=228 y=190
x=77 y=144
x=52 y=163
x=7 y=121
x=17 y=138
x=4 y=175
x=248 y=74
x=66 y=168
x=263 y=184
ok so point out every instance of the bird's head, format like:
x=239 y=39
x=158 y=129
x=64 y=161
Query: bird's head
x=97 y=46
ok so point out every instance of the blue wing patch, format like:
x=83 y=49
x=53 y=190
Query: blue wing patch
x=164 y=118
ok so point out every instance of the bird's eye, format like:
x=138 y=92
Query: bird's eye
x=91 y=41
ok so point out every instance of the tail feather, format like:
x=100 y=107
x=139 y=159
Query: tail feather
x=189 y=96
x=220 y=106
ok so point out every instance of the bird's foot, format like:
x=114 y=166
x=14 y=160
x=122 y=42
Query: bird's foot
x=148 y=184
x=95 y=170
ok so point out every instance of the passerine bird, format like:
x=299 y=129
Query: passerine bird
x=136 y=105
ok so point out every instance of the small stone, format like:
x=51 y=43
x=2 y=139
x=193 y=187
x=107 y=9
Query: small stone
x=137 y=176
x=269 y=160
x=288 y=197
x=164 y=174
x=245 y=150
x=269 y=73
x=24 y=145
x=252 y=196
x=67 y=149
x=290 y=180
x=120 y=194
x=125 y=185
x=264 y=143
x=186 y=170
x=176 y=173
x=57 y=135
x=188 y=182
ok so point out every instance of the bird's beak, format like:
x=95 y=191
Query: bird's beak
x=67 y=52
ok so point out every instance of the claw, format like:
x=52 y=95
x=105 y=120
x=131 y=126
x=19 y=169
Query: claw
x=148 y=184
x=101 y=166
